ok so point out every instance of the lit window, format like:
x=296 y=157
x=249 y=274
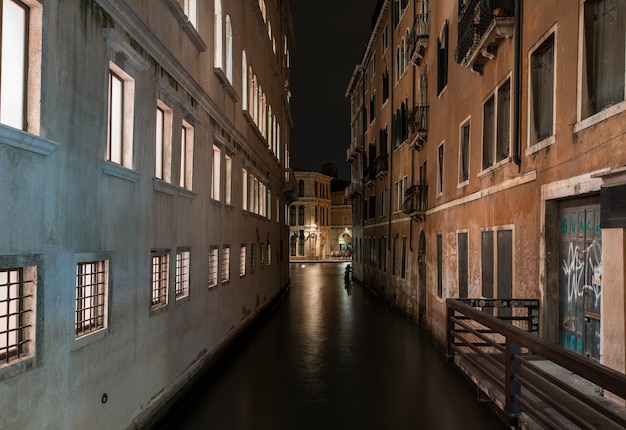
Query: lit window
x=244 y=190
x=225 y=264
x=218 y=35
x=215 y=189
x=160 y=279
x=182 y=274
x=91 y=297
x=186 y=156
x=163 y=144
x=228 y=165
x=213 y=255
x=17 y=309
x=120 y=114
x=242 y=261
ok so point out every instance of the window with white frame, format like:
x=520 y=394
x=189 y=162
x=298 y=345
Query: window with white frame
x=225 y=264
x=160 y=279
x=215 y=186
x=182 y=273
x=189 y=7
x=603 y=55
x=163 y=143
x=242 y=260
x=464 y=152
x=229 y=50
x=218 y=38
x=213 y=259
x=120 y=117
x=17 y=313
x=186 y=156
x=92 y=279
x=228 y=179
x=541 y=118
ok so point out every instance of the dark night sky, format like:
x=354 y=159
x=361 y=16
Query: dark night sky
x=331 y=36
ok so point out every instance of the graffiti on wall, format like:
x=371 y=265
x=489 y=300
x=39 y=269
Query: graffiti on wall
x=582 y=283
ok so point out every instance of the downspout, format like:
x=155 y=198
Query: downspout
x=517 y=84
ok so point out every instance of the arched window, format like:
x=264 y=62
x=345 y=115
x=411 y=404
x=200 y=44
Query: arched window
x=229 y=50
x=301 y=215
x=301 y=188
x=218 y=48
x=292 y=215
x=244 y=81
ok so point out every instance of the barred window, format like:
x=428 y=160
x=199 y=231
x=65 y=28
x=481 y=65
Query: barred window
x=160 y=271
x=225 y=264
x=182 y=274
x=91 y=295
x=17 y=305
x=213 y=267
x=242 y=261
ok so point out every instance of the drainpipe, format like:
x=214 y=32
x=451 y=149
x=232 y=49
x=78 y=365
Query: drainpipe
x=517 y=83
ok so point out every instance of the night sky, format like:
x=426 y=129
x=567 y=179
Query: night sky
x=331 y=36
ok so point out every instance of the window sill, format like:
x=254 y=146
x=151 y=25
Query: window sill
x=14 y=368
x=88 y=339
x=164 y=187
x=186 y=25
x=119 y=171
x=158 y=310
x=226 y=83
x=494 y=167
x=26 y=141
x=600 y=116
x=187 y=193
x=545 y=143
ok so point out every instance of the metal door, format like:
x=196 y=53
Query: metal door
x=580 y=281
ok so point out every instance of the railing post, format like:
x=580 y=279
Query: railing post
x=449 y=337
x=512 y=388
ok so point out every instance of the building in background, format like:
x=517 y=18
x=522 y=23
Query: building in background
x=144 y=153
x=309 y=217
x=487 y=155
x=340 y=221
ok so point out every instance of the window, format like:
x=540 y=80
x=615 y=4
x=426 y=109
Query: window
x=228 y=166
x=497 y=263
x=225 y=264
x=120 y=123
x=301 y=215
x=463 y=263
x=292 y=215
x=160 y=279
x=269 y=254
x=229 y=50
x=373 y=107
x=244 y=81
x=186 y=156
x=182 y=274
x=442 y=59
x=464 y=151
x=242 y=261
x=244 y=189
x=262 y=255
x=383 y=202
x=542 y=91
x=217 y=20
x=384 y=39
x=301 y=188
x=17 y=313
x=215 y=189
x=292 y=245
x=403 y=261
x=14 y=63
x=373 y=65
x=301 y=244
x=91 y=297
x=497 y=126
x=189 y=6
x=604 y=46
x=213 y=266
x=439 y=265
x=163 y=144
x=440 y=160
x=394 y=256
x=385 y=86
x=252 y=257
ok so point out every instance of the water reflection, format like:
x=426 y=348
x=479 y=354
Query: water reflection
x=326 y=359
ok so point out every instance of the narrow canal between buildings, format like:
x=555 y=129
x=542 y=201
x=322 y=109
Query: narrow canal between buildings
x=333 y=356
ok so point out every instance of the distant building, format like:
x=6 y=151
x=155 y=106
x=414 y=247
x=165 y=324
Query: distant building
x=144 y=168
x=309 y=217
x=340 y=221
x=487 y=159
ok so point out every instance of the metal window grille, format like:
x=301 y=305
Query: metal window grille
x=91 y=289
x=213 y=267
x=225 y=264
x=242 y=261
x=182 y=274
x=160 y=270
x=14 y=308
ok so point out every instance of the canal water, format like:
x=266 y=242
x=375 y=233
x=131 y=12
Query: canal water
x=333 y=356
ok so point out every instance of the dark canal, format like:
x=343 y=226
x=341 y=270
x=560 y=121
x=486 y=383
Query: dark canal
x=333 y=356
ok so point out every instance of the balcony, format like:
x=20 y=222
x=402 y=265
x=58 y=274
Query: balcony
x=290 y=187
x=418 y=127
x=416 y=201
x=483 y=25
x=418 y=41
x=382 y=165
x=355 y=148
x=369 y=175
x=354 y=189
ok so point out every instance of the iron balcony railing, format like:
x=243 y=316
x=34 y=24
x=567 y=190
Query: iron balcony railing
x=476 y=17
x=418 y=39
x=418 y=126
x=529 y=379
x=382 y=164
